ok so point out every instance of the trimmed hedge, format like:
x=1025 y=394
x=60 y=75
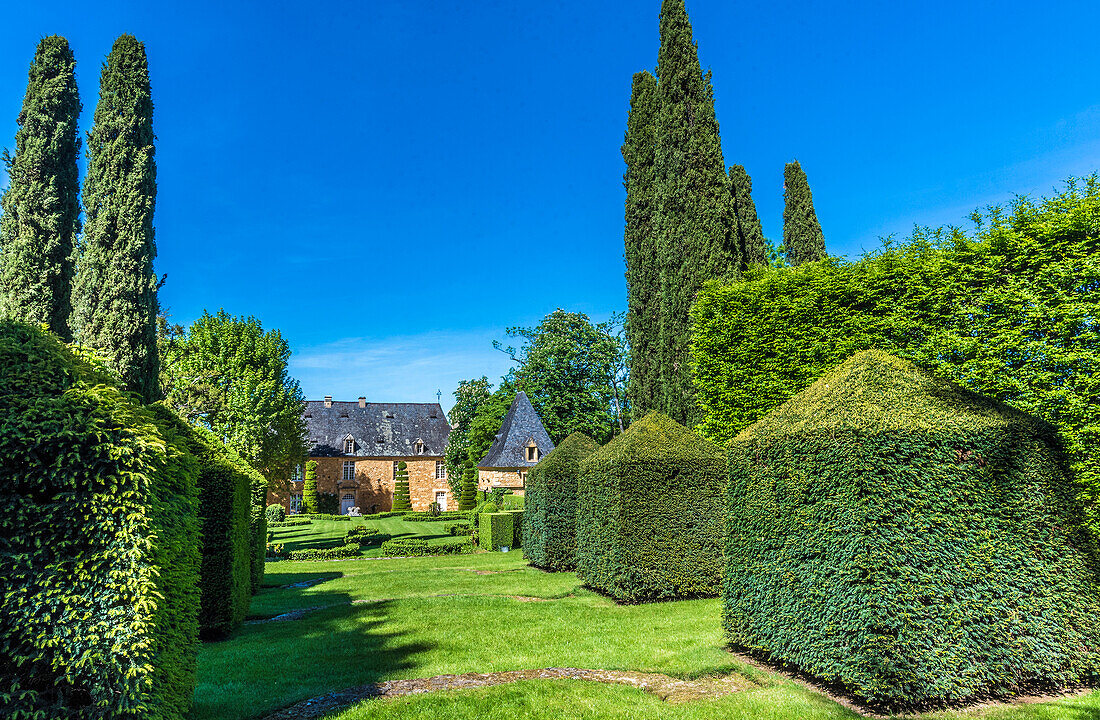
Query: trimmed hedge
x=259 y=526
x=327 y=516
x=225 y=513
x=293 y=522
x=275 y=514
x=409 y=547
x=650 y=514
x=908 y=539
x=450 y=515
x=381 y=515
x=550 y=520
x=462 y=528
x=517 y=527
x=496 y=530
x=363 y=535
x=351 y=550
x=99 y=549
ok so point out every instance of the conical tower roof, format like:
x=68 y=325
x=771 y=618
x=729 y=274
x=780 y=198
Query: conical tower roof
x=520 y=428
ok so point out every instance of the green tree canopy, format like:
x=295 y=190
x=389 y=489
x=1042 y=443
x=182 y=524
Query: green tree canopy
x=230 y=375
x=41 y=219
x=468 y=398
x=487 y=421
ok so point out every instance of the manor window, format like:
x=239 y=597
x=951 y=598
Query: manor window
x=419 y=448
x=349 y=445
x=532 y=454
x=295 y=504
x=349 y=469
x=440 y=470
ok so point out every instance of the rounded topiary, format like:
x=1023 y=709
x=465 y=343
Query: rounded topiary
x=488 y=507
x=276 y=513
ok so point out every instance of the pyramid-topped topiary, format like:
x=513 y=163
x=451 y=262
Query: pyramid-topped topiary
x=650 y=514
x=908 y=539
x=550 y=504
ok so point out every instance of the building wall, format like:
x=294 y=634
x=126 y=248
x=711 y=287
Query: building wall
x=373 y=483
x=489 y=478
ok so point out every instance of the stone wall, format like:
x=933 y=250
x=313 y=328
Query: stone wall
x=510 y=478
x=373 y=483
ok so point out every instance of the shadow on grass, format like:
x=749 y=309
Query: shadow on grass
x=266 y=666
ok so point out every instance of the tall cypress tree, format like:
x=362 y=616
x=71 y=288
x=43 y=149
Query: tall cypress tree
x=803 y=240
x=694 y=219
x=643 y=280
x=750 y=235
x=115 y=296
x=41 y=206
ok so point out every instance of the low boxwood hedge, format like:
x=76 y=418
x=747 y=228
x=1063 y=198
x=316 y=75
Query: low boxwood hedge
x=99 y=539
x=344 y=552
x=449 y=515
x=912 y=541
x=411 y=547
x=650 y=514
x=363 y=535
x=327 y=516
x=496 y=530
x=461 y=528
x=293 y=522
x=550 y=516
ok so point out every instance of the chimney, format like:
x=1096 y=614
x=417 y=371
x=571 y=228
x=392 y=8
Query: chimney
x=328 y=401
x=362 y=402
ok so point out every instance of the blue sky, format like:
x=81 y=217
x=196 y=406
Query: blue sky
x=392 y=184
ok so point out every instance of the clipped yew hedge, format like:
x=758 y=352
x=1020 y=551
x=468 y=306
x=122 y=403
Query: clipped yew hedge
x=909 y=540
x=550 y=516
x=650 y=514
x=225 y=512
x=99 y=543
x=496 y=530
x=413 y=547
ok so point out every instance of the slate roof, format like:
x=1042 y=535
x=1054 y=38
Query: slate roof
x=520 y=425
x=379 y=429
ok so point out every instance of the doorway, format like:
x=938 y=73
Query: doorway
x=347 y=501
x=441 y=498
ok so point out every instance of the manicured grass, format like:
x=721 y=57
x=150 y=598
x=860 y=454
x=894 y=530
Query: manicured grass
x=330 y=533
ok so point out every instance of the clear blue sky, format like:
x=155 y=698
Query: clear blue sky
x=392 y=184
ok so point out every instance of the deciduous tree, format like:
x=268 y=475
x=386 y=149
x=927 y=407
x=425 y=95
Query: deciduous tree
x=468 y=398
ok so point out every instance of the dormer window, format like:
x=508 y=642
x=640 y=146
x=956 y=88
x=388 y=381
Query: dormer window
x=349 y=445
x=532 y=454
x=419 y=446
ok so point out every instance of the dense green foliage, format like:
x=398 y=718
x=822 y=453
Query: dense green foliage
x=362 y=535
x=225 y=513
x=41 y=207
x=459 y=528
x=438 y=517
x=468 y=499
x=412 y=547
x=650 y=513
x=292 y=522
x=495 y=531
x=309 y=488
x=468 y=398
x=1010 y=311
x=643 y=277
x=750 y=235
x=98 y=611
x=573 y=373
x=401 y=497
x=550 y=529
x=229 y=374
x=275 y=514
x=487 y=421
x=258 y=526
x=695 y=224
x=803 y=240
x=343 y=552
x=115 y=294
x=945 y=518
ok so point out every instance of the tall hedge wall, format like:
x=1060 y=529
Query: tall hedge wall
x=99 y=548
x=550 y=504
x=1009 y=310
x=225 y=512
x=258 y=525
x=910 y=540
x=650 y=513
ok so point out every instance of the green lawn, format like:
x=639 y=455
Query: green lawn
x=410 y=618
x=330 y=533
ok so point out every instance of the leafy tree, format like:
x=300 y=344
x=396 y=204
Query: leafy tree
x=803 y=240
x=41 y=218
x=573 y=372
x=309 y=488
x=115 y=294
x=487 y=421
x=750 y=235
x=230 y=375
x=468 y=499
x=695 y=221
x=468 y=397
x=401 y=498
x=643 y=278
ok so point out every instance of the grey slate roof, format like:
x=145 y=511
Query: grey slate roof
x=520 y=425
x=379 y=429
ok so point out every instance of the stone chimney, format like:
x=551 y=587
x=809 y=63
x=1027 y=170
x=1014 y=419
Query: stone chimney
x=362 y=402
x=328 y=401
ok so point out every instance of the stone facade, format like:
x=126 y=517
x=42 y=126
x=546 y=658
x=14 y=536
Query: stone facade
x=510 y=478
x=372 y=486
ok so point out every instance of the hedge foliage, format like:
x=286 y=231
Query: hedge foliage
x=449 y=516
x=1010 y=310
x=910 y=540
x=550 y=520
x=225 y=513
x=292 y=522
x=258 y=524
x=344 y=552
x=650 y=514
x=275 y=514
x=495 y=531
x=460 y=528
x=100 y=538
x=517 y=528
x=337 y=518
x=362 y=535
x=411 y=547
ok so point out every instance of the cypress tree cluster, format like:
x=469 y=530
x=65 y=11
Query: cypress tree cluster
x=643 y=280
x=401 y=497
x=115 y=295
x=802 y=236
x=750 y=235
x=41 y=208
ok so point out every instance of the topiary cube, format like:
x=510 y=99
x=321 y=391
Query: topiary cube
x=650 y=514
x=910 y=540
x=495 y=530
x=550 y=502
